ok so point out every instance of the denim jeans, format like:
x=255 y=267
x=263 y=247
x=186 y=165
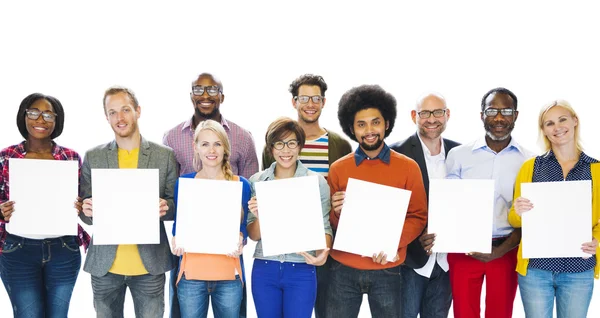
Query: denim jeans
x=175 y=312
x=225 y=297
x=573 y=293
x=322 y=285
x=39 y=275
x=347 y=286
x=283 y=289
x=147 y=291
x=428 y=297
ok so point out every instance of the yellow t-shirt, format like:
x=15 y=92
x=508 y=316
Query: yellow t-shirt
x=128 y=261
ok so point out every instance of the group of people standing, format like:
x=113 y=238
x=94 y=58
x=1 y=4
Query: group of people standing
x=39 y=273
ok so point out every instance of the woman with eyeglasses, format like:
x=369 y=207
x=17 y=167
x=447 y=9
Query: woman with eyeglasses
x=204 y=277
x=286 y=285
x=568 y=281
x=38 y=272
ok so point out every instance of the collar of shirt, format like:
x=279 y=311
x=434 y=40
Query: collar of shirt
x=583 y=158
x=482 y=144
x=384 y=155
x=188 y=124
x=426 y=150
x=269 y=174
x=57 y=151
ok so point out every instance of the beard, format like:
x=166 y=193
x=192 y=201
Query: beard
x=211 y=115
x=432 y=134
x=363 y=144
x=488 y=132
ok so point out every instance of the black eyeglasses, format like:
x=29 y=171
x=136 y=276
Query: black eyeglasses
x=437 y=113
x=493 y=112
x=198 y=90
x=303 y=99
x=292 y=144
x=34 y=114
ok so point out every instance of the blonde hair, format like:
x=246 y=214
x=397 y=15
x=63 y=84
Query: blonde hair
x=543 y=140
x=216 y=128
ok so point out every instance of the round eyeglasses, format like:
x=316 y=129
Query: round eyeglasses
x=291 y=144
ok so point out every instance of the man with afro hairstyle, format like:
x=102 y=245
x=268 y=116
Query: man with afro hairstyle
x=367 y=114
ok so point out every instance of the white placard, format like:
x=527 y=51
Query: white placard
x=461 y=214
x=125 y=206
x=208 y=215
x=291 y=216
x=44 y=192
x=560 y=221
x=372 y=219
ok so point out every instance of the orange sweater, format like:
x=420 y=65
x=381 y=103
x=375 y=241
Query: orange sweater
x=402 y=172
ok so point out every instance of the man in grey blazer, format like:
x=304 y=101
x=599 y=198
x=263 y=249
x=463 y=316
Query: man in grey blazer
x=140 y=267
x=426 y=283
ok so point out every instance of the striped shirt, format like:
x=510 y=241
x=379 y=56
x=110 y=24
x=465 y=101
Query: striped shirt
x=244 y=161
x=315 y=155
x=547 y=169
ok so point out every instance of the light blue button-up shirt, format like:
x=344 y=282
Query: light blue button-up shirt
x=476 y=160
x=301 y=171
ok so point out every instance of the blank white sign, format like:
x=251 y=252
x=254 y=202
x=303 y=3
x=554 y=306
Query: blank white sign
x=461 y=214
x=291 y=216
x=125 y=206
x=44 y=192
x=372 y=219
x=208 y=215
x=560 y=221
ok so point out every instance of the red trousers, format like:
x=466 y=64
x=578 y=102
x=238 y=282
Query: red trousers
x=466 y=280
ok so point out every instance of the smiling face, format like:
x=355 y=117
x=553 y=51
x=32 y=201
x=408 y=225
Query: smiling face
x=499 y=127
x=209 y=148
x=310 y=112
x=559 y=125
x=122 y=114
x=369 y=129
x=286 y=158
x=432 y=127
x=206 y=106
x=39 y=128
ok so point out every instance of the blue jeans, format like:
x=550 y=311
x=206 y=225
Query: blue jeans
x=283 y=289
x=174 y=311
x=147 y=291
x=225 y=297
x=573 y=292
x=428 y=297
x=39 y=275
x=347 y=286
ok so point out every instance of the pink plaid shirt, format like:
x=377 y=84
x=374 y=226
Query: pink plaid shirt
x=244 y=161
x=18 y=151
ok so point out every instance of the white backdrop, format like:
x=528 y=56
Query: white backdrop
x=74 y=51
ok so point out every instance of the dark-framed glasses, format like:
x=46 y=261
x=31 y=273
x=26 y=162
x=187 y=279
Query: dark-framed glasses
x=198 y=90
x=303 y=99
x=493 y=112
x=437 y=113
x=34 y=114
x=292 y=144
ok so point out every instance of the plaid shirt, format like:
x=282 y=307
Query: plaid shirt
x=244 y=161
x=18 y=151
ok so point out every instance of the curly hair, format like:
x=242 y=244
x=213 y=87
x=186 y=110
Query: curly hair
x=364 y=97
x=500 y=90
x=308 y=79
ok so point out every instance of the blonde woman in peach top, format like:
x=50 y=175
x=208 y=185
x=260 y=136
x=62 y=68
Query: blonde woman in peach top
x=204 y=277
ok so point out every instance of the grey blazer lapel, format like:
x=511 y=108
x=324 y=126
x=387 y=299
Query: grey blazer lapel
x=112 y=155
x=144 y=157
